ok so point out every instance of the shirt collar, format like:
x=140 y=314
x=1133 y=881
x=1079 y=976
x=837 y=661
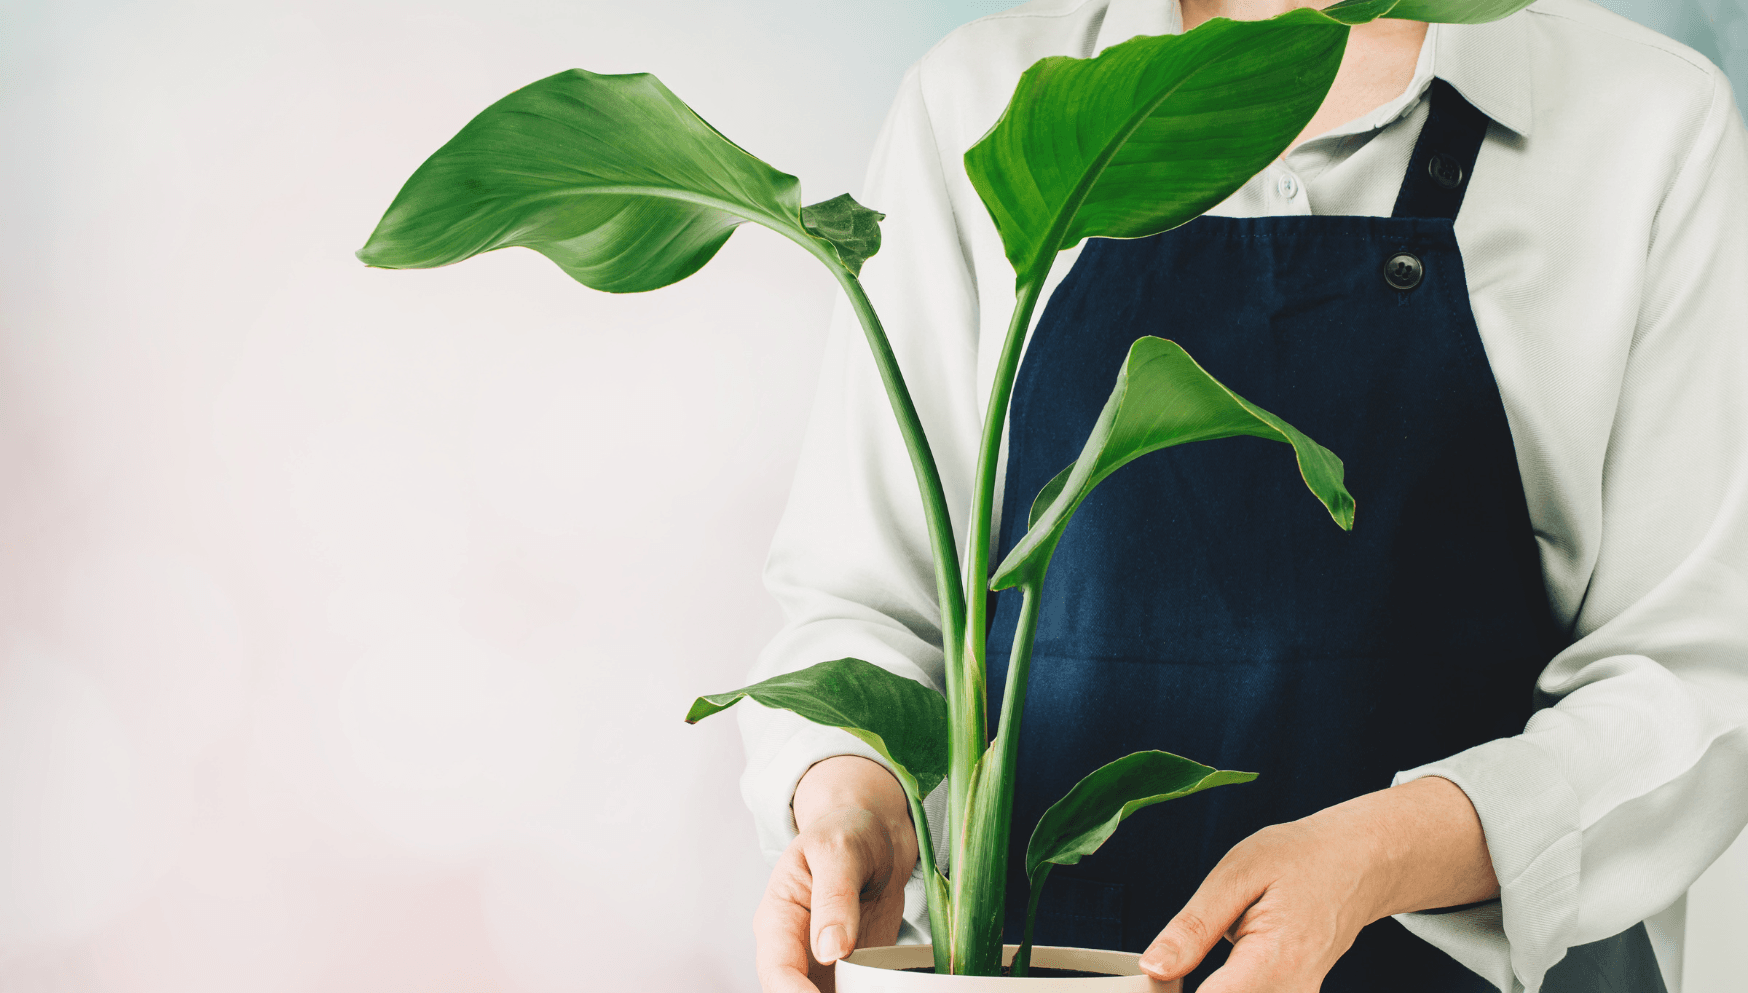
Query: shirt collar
x=1487 y=63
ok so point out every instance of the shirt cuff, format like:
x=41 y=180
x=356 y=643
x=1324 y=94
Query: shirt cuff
x=1529 y=815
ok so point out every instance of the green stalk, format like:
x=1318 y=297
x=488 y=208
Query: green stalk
x=948 y=591
x=977 y=564
x=942 y=544
x=1013 y=704
x=922 y=462
x=934 y=885
x=1023 y=957
x=981 y=904
x=978 y=893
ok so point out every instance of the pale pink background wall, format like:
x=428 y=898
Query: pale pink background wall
x=347 y=617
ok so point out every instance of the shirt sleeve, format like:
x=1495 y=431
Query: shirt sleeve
x=851 y=564
x=1629 y=783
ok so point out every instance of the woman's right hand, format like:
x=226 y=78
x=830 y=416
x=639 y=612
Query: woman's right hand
x=839 y=885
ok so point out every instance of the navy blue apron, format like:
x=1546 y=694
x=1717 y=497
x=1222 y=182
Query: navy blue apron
x=1203 y=602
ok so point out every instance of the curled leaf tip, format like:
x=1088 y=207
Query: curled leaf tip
x=852 y=230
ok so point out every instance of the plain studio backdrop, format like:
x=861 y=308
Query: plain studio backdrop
x=347 y=617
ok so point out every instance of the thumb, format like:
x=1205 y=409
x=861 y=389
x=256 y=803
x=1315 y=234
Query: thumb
x=1222 y=898
x=839 y=873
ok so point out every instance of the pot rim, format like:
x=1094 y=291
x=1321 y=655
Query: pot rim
x=1120 y=969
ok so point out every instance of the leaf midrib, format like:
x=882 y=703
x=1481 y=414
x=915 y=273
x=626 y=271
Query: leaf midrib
x=669 y=193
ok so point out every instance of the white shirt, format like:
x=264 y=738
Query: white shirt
x=1605 y=240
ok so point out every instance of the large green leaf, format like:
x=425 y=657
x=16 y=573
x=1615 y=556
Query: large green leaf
x=1152 y=132
x=612 y=177
x=1162 y=398
x=1149 y=133
x=1076 y=825
x=903 y=720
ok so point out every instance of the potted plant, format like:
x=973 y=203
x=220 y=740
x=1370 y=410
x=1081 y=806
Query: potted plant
x=616 y=180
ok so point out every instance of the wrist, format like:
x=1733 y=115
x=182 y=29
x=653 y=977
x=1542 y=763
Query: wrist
x=1428 y=849
x=851 y=783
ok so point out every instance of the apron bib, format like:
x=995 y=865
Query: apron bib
x=1202 y=601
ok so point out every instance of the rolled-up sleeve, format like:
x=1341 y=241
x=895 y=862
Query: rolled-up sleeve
x=1634 y=778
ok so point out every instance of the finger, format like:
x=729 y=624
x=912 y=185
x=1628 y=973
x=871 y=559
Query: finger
x=1217 y=904
x=1256 y=963
x=840 y=866
x=780 y=929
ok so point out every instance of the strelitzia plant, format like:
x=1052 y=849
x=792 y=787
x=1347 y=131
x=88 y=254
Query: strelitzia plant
x=620 y=183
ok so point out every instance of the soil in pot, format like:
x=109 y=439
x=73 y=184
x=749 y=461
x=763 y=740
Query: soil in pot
x=1037 y=973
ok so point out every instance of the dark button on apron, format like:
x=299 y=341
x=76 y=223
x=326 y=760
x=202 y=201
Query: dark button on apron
x=1403 y=270
x=1445 y=170
x=1202 y=602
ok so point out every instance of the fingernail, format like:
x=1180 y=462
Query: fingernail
x=1155 y=960
x=833 y=944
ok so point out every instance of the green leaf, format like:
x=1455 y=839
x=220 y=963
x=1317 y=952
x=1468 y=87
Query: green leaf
x=1048 y=495
x=1076 y=825
x=903 y=720
x=1150 y=132
x=1163 y=398
x=852 y=230
x=612 y=177
x=1358 y=11
x=1443 y=11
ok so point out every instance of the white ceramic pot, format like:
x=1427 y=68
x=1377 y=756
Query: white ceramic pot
x=881 y=970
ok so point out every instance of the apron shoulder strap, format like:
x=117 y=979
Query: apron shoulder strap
x=1444 y=157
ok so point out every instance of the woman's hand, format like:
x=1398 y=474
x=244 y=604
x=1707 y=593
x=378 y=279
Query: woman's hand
x=839 y=885
x=1292 y=897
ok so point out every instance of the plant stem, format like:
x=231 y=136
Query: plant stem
x=977 y=885
x=980 y=904
x=1023 y=957
x=1013 y=704
x=922 y=462
x=934 y=886
x=980 y=777
x=974 y=733
x=977 y=564
x=942 y=545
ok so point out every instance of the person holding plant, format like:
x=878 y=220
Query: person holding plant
x=1503 y=272
x=1498 y=262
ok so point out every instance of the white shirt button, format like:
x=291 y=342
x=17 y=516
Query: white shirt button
x=1288 y=186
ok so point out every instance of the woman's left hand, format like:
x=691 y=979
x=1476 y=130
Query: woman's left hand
x=1292 y=897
